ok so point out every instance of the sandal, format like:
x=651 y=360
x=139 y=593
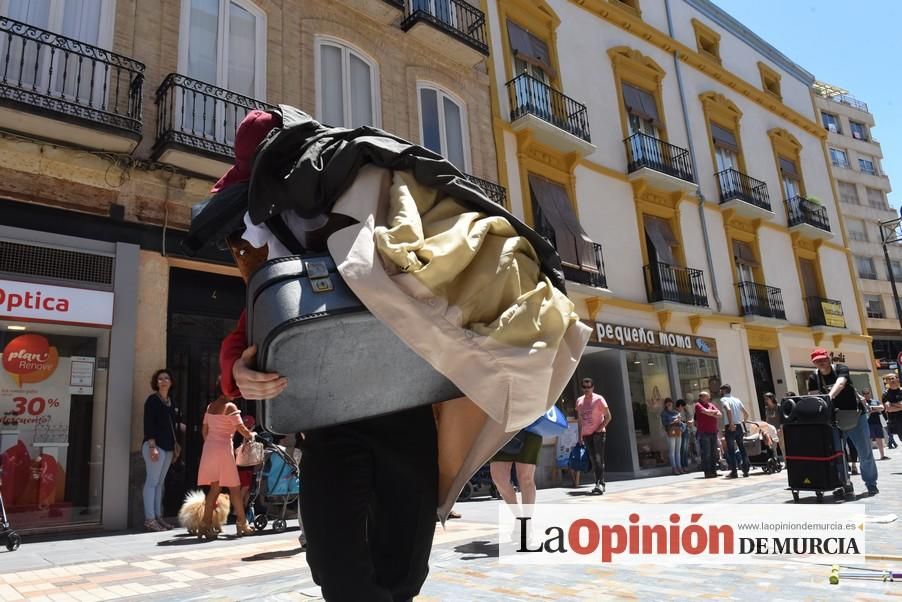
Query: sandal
x=242 y=529
x=207 y=532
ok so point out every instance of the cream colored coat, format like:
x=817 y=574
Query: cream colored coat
x=465 y=293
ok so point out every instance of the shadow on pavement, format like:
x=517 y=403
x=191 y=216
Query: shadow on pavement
x=191 y=540
x=273 y=555
x=587 y=493
x=478 y=550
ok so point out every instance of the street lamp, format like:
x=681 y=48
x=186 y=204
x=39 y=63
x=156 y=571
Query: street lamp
x=891 y=233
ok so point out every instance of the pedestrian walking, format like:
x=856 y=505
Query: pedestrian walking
x=892 y=401
x=688 y=432
x=733 y=431
x=851 y=416
x=876 y=421
x=594 y=417
x=706 y=415
x=523 y=462
x=217 y=463
x=160 y=447
x=673 y=429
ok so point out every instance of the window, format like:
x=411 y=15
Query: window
x=839 y=158
x=859 y=130
x=867 y=166
x=223 y=42
x=726 y=148
x=443 y=125
x=789 y=172
x=865 y=266
x=707 y=40
x=848 y=193
x=744 y=256
x=347 y=88
x=874 y=304
x=857 y=229
x=896 y=267
x=876 y=198
x=831 y=122
x=770 y=80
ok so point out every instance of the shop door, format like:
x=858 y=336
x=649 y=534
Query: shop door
x=764 y=379
x=203 y=309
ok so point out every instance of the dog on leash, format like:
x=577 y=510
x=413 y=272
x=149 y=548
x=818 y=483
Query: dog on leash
x=191 y=515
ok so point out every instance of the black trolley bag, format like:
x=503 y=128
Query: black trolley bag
x=810 y=439
x=342 y=364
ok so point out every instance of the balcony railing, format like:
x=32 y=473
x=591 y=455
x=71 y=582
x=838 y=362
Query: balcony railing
x=736 y=185
x=802 y=211
x=761 y=300
x=530 y=96
x=850 y=101
x=824 y=312
x=495 y=192
x=50 y=73
x=589 y=268
x=455 y=17
x=200 y=116
x=664 y=282
x=643 y=150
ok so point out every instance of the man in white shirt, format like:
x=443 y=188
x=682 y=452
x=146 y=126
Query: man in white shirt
x=733 y=415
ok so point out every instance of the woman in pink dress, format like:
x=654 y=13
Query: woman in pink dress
x=217 y=463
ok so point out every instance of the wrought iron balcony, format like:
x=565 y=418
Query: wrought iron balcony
x=664 y=282
x=589 y=265
x=802 y=211
x=643 y=150
x=530 y=96
x=824 y=312
x=761 y=300
x=495 y=192
x=457 y=18
x=735 y=185
x=200 y=117
x=45 y=73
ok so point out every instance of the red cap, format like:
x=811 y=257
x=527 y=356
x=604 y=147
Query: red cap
x=819 y=354
x=251 y=132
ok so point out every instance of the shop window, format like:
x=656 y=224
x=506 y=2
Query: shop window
x=347 y=86
x=860 y=380
x=770 y=80
x=443 y=125
x=707 y=40
x=53 y=411
x=649 y=386
x=697 y=374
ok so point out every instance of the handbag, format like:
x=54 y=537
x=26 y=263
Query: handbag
x=249 y=453
x=674 y=430
x=550 y=424
x=515 y=445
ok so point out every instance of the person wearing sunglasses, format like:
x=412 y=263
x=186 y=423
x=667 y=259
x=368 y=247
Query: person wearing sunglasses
x=594 y=417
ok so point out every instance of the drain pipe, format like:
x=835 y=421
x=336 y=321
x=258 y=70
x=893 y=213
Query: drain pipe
x=698 y=192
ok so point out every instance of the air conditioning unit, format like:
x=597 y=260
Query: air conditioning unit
x=831 y=127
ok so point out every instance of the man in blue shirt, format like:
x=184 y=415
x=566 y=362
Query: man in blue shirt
x=733 y=415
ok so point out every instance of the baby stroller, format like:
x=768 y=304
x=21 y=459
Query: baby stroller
x=10 y=538
x=478 y=483
x=760 y=441
x=278 y=486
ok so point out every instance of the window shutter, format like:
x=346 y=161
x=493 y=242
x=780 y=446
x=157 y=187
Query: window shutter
x=724 y=138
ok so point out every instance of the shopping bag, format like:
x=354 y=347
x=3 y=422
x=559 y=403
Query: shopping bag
x=249 y=453
x=579 y=459
x=550 y=424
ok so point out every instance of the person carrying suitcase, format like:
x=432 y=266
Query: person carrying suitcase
x=834 y=380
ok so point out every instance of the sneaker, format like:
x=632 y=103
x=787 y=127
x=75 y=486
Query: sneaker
x=732 y=475
x=597 y=491
x=745 y=473
x=164 y=524
x=872 y=490
x=153 y=525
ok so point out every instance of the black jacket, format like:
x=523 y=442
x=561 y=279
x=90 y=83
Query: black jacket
x=305 y=166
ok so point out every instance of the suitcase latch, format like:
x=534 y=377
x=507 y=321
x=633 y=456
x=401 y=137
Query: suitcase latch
x=316 y=269
x=321 y=285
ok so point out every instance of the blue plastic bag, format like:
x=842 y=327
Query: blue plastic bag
x=579 y=459
x=550 y=424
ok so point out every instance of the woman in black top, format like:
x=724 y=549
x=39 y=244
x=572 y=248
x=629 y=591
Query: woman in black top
x=158 y=448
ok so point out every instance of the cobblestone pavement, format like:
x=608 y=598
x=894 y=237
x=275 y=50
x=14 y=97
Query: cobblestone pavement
x=464 y=564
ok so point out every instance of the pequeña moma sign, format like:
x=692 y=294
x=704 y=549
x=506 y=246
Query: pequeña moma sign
x=648 y=339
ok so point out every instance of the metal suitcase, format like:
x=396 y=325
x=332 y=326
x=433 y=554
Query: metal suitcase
x=342 y=364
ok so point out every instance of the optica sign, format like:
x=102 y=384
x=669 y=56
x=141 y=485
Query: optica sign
x=32 y=302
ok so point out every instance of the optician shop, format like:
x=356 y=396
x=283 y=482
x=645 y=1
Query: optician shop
x=67 y=336
x=635 y=369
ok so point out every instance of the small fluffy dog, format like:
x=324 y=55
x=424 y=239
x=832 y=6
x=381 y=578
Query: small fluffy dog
x=191 y=515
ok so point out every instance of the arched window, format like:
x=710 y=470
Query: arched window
x=223 y=42
x=443 y=125
x=347 y=89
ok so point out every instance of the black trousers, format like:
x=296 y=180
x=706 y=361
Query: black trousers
x=368 y=501
x=595 y=446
